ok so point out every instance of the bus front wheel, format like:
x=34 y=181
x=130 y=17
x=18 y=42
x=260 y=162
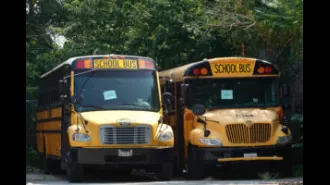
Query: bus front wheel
x=74 y=170
x=285 y=169
x=195 y=166
x=165 y=172
x=45 y=165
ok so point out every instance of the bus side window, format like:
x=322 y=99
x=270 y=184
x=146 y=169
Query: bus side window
x=54 y=98
x=56 y=76
x=44 y=94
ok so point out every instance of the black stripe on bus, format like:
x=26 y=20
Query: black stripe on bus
x=49 y=120
x=53 y=157
x=48 y=131
x=50 y=106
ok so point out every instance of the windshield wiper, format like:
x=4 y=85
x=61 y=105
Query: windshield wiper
x=93 y=106
x=146 y=107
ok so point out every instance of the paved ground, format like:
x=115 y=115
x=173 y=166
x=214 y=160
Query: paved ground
x=40 y=179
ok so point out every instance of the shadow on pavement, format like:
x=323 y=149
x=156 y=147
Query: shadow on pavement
x=226 y=174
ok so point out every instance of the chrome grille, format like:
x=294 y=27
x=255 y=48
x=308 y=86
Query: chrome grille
x=256 y=133
x=139 y=134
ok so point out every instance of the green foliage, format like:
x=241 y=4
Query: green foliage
x=171 y=32
x=268 y=176
x=283 y=21
x=40 y=15
x=32 y=157
x=298 y=170
x=164 y=30
x=276 y=24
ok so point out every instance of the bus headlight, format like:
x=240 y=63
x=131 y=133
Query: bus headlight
x=284 y=140
x=165 y=136
x=211 y=142
x=80 y=137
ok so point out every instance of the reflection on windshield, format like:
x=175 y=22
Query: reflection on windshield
x=117 y=90
x=234 y=93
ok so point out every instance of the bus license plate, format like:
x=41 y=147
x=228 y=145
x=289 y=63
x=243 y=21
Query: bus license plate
x=122 y=153
x=247 y=155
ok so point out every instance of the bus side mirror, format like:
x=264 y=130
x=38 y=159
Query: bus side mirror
x=168 y=85
x=198 y=109
x=77 y=99
x=167 y=100
x=184 y=93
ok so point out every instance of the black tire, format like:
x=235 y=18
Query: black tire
x=51 y=166
x=286 y=165
x=56 y=167
x=196 y=168
x=46 y=163
x=75 y=172
x=46 y=168
x=165 y=172
x=120 y=173
x=177 y=172
x=285 y=169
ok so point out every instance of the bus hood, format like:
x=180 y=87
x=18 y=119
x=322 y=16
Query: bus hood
x=106 y=117
x=241 y=115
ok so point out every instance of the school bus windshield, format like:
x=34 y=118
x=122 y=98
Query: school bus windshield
x=117 y=90
x=234 y=92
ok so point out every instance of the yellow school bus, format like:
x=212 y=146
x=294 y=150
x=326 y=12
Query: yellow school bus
x=104 y=111
x=227 y=110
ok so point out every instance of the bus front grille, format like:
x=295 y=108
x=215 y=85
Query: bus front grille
x=256 y=133
x=139 y=134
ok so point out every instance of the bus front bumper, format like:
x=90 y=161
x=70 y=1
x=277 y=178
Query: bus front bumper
x=242 y=154
x=114 y=156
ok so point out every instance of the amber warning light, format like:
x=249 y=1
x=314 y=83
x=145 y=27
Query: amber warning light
x=84 y=64
x=146 y=64
x=265 y=70
x=200 y=71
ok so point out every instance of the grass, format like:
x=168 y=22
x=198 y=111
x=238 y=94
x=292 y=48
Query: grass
x=32 y=160
x=32 y=169
x=268 y=176
x=298 y=170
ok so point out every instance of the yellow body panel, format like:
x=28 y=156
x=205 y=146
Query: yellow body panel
x=49 y=127
x=232 y=130
x=227 y=117
x=176 y=74
x=98 y=118
x=49 y=121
